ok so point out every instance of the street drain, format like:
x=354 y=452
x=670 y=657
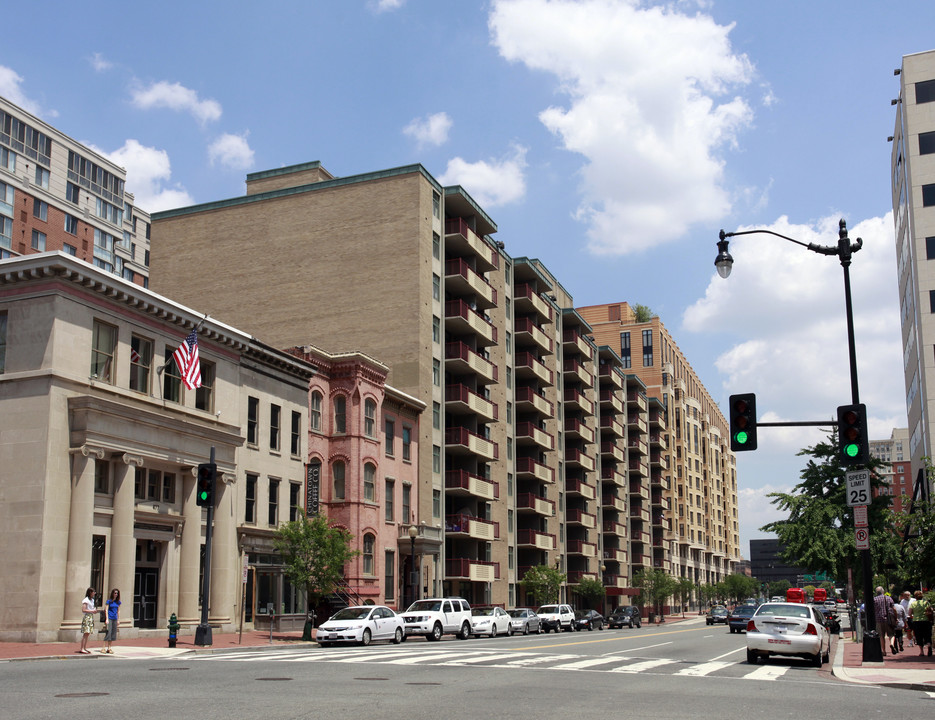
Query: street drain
x=80 y=695
x=274 y=679
x=423 y=683
x=165 y=669
x=371 y=678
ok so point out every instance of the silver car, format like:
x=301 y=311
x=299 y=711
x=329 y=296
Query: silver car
x=788 y=629
x=525 y=620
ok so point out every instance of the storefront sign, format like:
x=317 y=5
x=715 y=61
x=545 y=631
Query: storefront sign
x=312 y=487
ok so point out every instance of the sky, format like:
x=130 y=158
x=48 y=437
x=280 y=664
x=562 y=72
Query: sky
x=610 y=139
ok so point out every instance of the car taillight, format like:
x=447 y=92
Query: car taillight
x=810 y=630
x=751 y=626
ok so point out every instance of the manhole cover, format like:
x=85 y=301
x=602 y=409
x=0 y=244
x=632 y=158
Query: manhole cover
x=274 y=679
x=79 y=695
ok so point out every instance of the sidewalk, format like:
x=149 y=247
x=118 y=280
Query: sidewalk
x=907 y=670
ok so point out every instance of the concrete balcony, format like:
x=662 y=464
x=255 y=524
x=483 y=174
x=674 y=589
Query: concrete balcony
x=574 y=398
x=535 y=539
x=611 y=501
x=535 y=503
x=582 y=518
x=576 y=487
x=612 y=475
x=525 y=299
x=575 y=342
x=472 y=527
x=462 y=319
x=462 y=483
x=610 y=374
x=459 y=440
x=528 y=432
x=526 y=467
x=613 y=450
x=528 y=399
x=614 y=528
x=615 y=555
x=460 y=358
x=460 y=400
x=638 y=491
x=640 y=513
x=612 y=399
x=574 y=428
x=459 y=238
x=659 y=480
x=638 y=400
x=574 y=371
x=460 y=279
x=658 y=460
x=610 y=427
x=473 y=570
x=525 y=331
x=638 y=444
x=659 y=442
x=579 y=547
x=576 y=576
x=615 y=581
x=528 y=365
x=577 y=457
x=639 y=466
x=637 y=422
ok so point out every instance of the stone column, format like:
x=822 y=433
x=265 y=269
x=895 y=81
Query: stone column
x=190 y=553
x=223 y=555
x=122 y=541
x=80 y=535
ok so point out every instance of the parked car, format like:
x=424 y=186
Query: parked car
x=830 y=618
x=435 y=617
x=361 y=624
x=788 y=629
x=524 y=621
x=625 y=615
x=738 y=617
x=557 y=617
x=717 y=614
x=589 y=620
x=490 y=620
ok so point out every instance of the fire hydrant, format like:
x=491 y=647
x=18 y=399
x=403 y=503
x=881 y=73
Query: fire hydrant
x=173 y=630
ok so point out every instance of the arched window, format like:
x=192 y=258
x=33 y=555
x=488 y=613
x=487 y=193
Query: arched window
x=369 y=541
x=337 y=479
x=340 y=415
x=370 y=418
x=315 y=419
x=370 y=474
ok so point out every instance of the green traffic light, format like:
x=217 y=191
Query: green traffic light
x=741 y=437
x=851 y=449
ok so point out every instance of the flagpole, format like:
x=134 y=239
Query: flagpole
x=198 y=327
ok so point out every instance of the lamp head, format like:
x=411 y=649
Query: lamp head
x=723 y=262
x=413 y=532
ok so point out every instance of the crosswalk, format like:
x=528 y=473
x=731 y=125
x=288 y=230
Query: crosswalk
x=519 y=659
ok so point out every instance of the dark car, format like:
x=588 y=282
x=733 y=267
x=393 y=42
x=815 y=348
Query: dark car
x=589 y=620
x=717 y=614
x=625 y=615
x=739 y=616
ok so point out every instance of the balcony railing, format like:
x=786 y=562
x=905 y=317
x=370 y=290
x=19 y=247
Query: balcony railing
x=529 y=501
x=525 y=295
x=472 y=526
x=461 y=480
x=534 y=538
x=470 y=401
x=456 y=437
x=526 y=360
x=461 y=276
x=609 y=372
x=579 y=547
x=525 y=326
x=537 y=434
x=470 y=239
x=529 y=396
x=466 y=319
x=575 y=397
x=473 y=570
x=580 y=517
x=464 y=358
x=529 y=466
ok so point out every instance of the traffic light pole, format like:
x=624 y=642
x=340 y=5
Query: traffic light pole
x=203 y=631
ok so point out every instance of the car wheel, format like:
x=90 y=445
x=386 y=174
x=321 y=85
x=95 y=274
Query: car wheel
x=466 y=632
x=366 y=637
x=639 y=624
x=590 y=627
x=526 y=629
x=324 y=644
x=493 y=630
x=398 y=636
x=817 y=659
x=630 y=623
x=539 y=629
x=509 y=630
x=436 y=633
x=405 y=637
x=827 y=656
x=752 y=657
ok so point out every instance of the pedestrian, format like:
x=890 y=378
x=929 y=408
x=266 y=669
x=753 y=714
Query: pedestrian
x=87 y=620
x=905 y=600
x=921 y=610
x=113 y=613
x=897 y=644
x=882 y=612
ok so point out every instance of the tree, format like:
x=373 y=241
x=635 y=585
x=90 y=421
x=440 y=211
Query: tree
x=642 y=313
x=314 y=555
x=739 y=587
x=818 y=533
x=543 y=582
x=655 y=586
x=683 y=591
x=916 y=530
x=779 y=587
x=592 y=591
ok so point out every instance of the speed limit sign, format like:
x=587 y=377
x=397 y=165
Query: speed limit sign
x=858 y=487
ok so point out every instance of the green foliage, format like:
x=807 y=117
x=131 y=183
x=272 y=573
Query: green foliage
x=684 y=588
x=592 y=591
x=314 y=555
x=738 y=587
x=543 y=582
x=918 y=556
x=655 y=586
x=779 y=587
x=642 y=313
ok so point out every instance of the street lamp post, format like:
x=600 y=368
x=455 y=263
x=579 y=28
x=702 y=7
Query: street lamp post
x=872 y=652
x=413 y=579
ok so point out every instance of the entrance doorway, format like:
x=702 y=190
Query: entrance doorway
x=146 y=584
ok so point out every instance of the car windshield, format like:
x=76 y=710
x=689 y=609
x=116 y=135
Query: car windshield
x=426 y=606
x=352 y=613
x=481 y=611
x=517 y=613
x=784 y=610
x=745 y=610
x=548 y=609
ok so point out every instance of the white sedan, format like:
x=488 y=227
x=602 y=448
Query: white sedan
x=783 y=628
x=361 y=624
x=490 y=620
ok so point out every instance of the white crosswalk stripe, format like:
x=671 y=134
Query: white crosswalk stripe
x=768 y=672
x=704 y=668
x=642 y=666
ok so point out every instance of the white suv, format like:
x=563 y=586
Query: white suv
x=557 y=617
x=439 y=616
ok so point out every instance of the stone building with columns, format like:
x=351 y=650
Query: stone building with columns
x=99 y=440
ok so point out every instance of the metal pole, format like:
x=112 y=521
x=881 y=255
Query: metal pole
x=412 y=575
x=203 y=631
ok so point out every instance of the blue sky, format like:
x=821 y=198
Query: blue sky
x=612 y=140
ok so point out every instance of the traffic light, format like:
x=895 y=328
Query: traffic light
x=853 y=446
x=204 y=489
x=743 y=422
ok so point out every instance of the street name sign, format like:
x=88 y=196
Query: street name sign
x=858 y=487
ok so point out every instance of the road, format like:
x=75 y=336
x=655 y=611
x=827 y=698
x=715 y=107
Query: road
x=679 y=670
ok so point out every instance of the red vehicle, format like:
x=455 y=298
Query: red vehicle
x=795 y=595
x=820 y=595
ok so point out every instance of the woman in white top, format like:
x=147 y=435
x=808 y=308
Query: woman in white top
x=87 y=620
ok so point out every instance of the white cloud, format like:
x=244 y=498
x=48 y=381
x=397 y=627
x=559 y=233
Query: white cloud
x=231 y=151
x=490 y=183
x=387 y=5
x=10 y=82
x=430 y=130
x=649 y=109
x=100 y=63
x=148 y=175
x=176 y=97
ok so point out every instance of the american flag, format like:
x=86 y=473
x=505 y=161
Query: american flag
x=134 y=355
x=186 y=357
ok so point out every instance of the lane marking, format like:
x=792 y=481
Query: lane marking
x=743 y=649
x=482 y=658
x=645 y=647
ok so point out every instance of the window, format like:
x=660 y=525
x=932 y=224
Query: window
x=436 y=372
x=925 y=91
x=253 y=420
x=436 y=287
x=168 y=488
x=154 y=485
x=437 y=415
x=932 y=301
x=436 y=246
x=389 y=579
x=407 y=503
x=3 y=324
x=6 y=233
x=275 y=413
x=647 y=348
x=436 y=504
x=250 y=505
x=42 y=177
x=389 y=436
x=102 y=477
x=389 y=491
x=7 y=159
x=38 y=241
x=294 y=494
x=69 y=249
x=928 y=195
x=141 y=360
x=436 y=205
x=436 y=459
x=40 y=209
x=436 y=329
x=337 y=479
x=314 y=419
x=370 y=473
x=625 y=348
x=407 y=443
x=295 y=446
x=926 y=143
x=103 y=344
x=204 y=396
x=369 y=541
x=171 y=378
x=273 y=516
x=370 y=418
x=340 y=415
x=72 y=193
